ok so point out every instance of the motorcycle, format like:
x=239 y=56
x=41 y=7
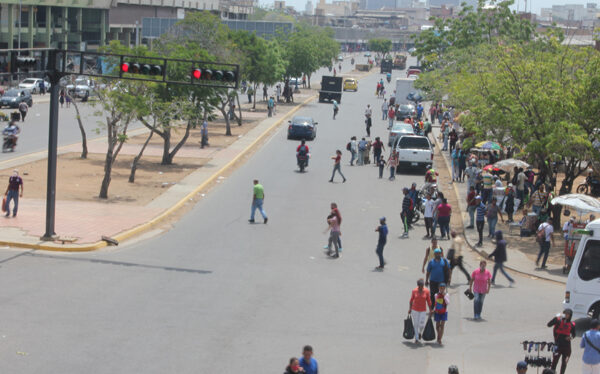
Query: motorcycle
x=389 y=78
x=591 y=187
x=302 y=162
x=352 y=61
x=9 y=143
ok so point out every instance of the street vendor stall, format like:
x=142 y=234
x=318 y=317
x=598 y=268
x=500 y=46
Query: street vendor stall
x=582 y=204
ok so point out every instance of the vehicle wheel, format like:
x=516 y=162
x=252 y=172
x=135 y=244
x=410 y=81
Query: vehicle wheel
x=582 y=188
x=415 y=217
x=30 y=103
x=595 y=311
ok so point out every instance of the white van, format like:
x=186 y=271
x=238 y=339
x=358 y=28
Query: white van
x=583 y=285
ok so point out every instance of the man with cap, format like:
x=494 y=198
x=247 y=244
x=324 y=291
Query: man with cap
x=383 y=231
x=417 y=308
x=564 y=332
x=437 y=271
x=521 y=367
x=440 y=311
x=480 y=218
x=407 y=206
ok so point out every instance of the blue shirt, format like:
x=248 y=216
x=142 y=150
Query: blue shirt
x=436 y=270
x=590 y=355
x=383 y=231
x=481 y=212
x=309 y=367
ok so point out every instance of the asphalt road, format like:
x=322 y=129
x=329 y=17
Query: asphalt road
x=219 y=295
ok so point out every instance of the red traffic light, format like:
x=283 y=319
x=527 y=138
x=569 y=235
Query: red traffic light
x=197 y=73
x=125 y=67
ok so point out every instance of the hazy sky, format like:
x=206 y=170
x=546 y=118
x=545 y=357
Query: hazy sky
x=534 y=4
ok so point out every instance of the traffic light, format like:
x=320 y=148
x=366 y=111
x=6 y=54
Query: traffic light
x=213 y=75
x=141 y=68
x=21 y=62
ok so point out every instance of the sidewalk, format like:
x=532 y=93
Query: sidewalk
x=517 y=260
x=87 y=221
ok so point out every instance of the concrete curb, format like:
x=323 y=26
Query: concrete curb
x=147 y=225
x=462 y=220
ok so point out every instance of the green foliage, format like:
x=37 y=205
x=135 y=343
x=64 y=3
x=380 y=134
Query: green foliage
x=380 y=45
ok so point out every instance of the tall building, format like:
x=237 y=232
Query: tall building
x=308 y=9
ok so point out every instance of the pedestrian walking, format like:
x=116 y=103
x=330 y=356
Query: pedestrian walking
x=428 y=215
x=404 y=214
x=271 y=106
x=429 y=255
x=438 y=201
x=391 y=116
x=382 y=229
x=454 y=156
x=337 y=165
x=384 y=109
x=308 y=362
x=204 y=134
x=444 y=211
x=493 y=212
x=521 y=178
x=590 y=342
x=61 y=98
x=420 y=299
x=278 y=93
x=362 y=149
x=440 y=311
x=471 y=171
x=393 y=164
x=23 y=108
x=42 y=87
x=480 y=283
x=265 y=93
x=521 y=367
x=437 y=273
x=353 y=150
x=15 y=183
x=258 y=196
x=564 y=332
x=509 y=202
x=480 y=219
x=432 y=113
x=471 y=206
x=381 y=165
x=250 y=92
x=538 y=200
x=500 y=258
x=544 y=236
x=462 y=164
x=334 y=235
x=378 y=148
x=68 y=99
x=336 y=108
x=455 y=256
x=368 y=114
x=419 y=111
x=488 y=184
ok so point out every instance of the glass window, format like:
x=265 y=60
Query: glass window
x=589 y=267
x=414 y=142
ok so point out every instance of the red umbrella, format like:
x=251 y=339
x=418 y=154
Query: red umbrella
x=490 y=167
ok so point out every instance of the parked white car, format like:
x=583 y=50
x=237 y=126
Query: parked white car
x=414 y=151
x=33 y=85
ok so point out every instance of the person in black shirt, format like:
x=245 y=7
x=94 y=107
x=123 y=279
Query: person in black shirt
x=564 y=332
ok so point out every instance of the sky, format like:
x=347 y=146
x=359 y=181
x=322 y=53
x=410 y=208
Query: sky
x=534 y=4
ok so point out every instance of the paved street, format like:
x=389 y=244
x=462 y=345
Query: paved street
x=218 y=295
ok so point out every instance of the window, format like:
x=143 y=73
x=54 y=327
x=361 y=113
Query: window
x=414 y=142
x=589 y=267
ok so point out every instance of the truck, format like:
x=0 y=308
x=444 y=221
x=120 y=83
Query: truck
x=582 y=293
x=386 y=66
x=400 y=62
x=404 y=86
x=414 y=151
x=331 y=89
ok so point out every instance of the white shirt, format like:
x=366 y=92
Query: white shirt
x=567 y=229
x=548 y=230
x=384 y=106
x=429 y=207
x=368 y=112
x=353 y=146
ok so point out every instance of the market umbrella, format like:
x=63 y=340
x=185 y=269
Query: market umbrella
x=579 y=202
x=489 y=145
x=491 y=167
x=510 y=163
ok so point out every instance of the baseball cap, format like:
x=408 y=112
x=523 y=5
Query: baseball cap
x=521 y=365
x=442 y=284
x=437 y=250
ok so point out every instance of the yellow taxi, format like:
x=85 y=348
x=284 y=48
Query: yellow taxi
x=350 y=84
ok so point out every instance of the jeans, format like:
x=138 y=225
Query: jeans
x=444 y=222
x=377 y=155
x=384 y=115
x=334 y=239
x=445 y=148
x=12 y=195
x=390 y=122
x=353 y=157
x=379 y=252
x=500 y=266
x=478 y=303
x=454 y=170
x=486 y=194
x=392 y=171
x=257 y=204
x=419 y=319
x=337 y=167
x=471 y=210
x=492 y=225
x=361 y=157
x=544 y=250
x=536 y=209
x=381 y=167
x=480 y=225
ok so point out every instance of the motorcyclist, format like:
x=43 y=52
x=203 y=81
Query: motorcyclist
x=302 y=152
x=389 y=77
x=430 y=179
x=11 y=132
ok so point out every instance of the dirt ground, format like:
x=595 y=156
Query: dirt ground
x=79 y=179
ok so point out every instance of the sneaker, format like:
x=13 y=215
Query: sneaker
x=325 y=247
x=479 y=244
x=344 y=181
x=379 y=268
x=331 y=181
x=470 y=227
x=335 y=255
x=251 y=220
x=266 y=219
x=405 y=235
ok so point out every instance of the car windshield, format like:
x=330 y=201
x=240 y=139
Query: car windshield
x=413 y=142
x=301 y=121
x=406 y=108
x=12 y=93
x=28 y=81
x=403 y=127
x=589 y=267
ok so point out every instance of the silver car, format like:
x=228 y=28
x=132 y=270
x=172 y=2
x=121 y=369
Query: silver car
x=398 y=130
x=33 y=85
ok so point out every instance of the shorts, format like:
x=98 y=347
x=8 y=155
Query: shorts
x=437 y=317
x=590 y=369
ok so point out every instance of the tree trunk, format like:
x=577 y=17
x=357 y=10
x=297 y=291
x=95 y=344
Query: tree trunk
x=308 y=76
x=223 y=109
x=254 y=98
x=108 y=161
x=84 y=149
x=137 y=158
x=239 y=118
x=166 y=146
x=181 y=142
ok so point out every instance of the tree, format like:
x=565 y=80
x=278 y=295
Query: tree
x=380 y=45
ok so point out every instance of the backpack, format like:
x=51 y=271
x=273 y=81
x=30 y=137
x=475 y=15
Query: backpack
x=348 y=146
x=540 y=236
x=302 y=151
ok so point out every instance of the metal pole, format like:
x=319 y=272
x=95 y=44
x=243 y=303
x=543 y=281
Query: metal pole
x=52 y=154
x=20 y=19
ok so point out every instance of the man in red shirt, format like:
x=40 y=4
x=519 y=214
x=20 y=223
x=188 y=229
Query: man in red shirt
x=419 y=300
x=12 y=192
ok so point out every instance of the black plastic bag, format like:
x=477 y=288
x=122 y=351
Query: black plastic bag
x=429 y=331
x=409 y=330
